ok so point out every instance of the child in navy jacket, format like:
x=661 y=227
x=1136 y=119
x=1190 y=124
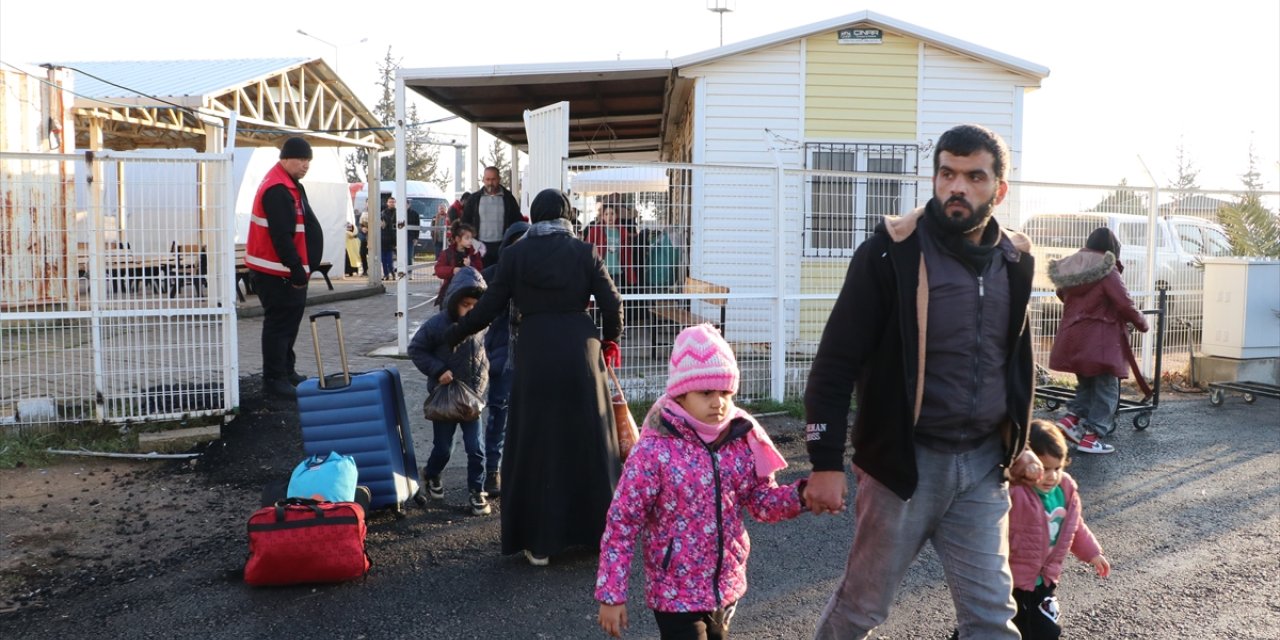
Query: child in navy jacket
x=465 y=364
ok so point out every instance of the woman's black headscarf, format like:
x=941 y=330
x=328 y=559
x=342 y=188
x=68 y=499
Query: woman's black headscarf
x=1103 y=240
x=549 y=204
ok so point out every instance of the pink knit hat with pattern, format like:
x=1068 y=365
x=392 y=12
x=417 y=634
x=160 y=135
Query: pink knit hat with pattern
x=701 y=361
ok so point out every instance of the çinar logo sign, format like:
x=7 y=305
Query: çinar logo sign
x=860 y=36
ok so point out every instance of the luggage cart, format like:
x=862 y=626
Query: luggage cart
x=1055 y=396
x=1249 y=390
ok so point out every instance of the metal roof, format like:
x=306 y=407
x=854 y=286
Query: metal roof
x=614 y=106
x=1016 y=65
x=171 y=103
x=169 y=78
x=627 y=105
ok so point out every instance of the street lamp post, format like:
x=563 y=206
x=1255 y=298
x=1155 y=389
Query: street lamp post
x=720 y=7
x=334 y=46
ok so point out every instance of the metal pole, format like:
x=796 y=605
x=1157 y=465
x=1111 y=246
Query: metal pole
x=227 y=218
x=402 y=234
x=459 y=166
x=778 y=352
x=474 y=175
x=97 y=267
x=373 y=238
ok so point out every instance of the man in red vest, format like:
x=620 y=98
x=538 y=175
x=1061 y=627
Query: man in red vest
x=285 y=240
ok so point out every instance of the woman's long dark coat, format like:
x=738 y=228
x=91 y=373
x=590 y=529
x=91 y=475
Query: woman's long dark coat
x=560 y=462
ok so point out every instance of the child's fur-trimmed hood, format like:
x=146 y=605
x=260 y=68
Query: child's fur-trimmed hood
x=1082 y=267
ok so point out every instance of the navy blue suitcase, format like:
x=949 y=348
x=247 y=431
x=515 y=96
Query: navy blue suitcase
x=362 y=415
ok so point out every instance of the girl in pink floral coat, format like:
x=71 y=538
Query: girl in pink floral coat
x=700 y=461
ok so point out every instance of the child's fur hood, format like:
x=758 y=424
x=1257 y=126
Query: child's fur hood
x=1082 y=267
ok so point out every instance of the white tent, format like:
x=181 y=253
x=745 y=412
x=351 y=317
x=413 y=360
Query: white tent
x=619 y=180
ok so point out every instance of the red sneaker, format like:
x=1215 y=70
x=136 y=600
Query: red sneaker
x=1091 y=444
x=1070 y=426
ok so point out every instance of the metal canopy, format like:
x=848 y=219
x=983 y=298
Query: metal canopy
x=614 y=107
x=170 y=104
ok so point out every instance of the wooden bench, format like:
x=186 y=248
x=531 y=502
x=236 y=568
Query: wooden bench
x=678 y=313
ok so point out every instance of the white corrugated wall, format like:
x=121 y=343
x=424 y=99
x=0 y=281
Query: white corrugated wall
x=748 y=111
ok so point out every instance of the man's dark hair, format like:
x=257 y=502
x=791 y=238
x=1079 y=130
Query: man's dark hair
x=967 y=139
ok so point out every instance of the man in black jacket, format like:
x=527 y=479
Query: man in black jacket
x=930 y=328
x=490 y=211
x=387 y=235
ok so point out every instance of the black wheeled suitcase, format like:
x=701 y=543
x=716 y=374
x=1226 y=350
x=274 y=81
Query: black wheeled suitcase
x=362 y=415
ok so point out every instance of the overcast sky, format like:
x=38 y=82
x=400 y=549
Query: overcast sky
x=1128 y=78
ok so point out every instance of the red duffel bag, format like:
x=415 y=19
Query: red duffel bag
x=299 y=541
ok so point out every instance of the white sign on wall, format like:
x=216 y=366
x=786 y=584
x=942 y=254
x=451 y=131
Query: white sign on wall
x=860 y=36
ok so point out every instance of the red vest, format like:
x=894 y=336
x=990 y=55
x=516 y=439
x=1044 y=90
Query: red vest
x=260 y=254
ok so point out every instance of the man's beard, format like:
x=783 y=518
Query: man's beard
x=976 y=220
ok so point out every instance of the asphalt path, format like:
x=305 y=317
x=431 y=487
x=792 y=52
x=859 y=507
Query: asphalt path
x=1187 y=511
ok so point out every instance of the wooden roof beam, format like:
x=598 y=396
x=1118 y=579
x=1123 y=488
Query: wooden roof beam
x=297 y=95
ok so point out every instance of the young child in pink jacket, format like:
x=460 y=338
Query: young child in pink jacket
x=700 y=461
x=1045 y=522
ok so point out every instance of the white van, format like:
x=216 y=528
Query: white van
x=1180 y=243
x=423 y=197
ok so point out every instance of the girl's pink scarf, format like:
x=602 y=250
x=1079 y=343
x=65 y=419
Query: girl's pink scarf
x=767 y=459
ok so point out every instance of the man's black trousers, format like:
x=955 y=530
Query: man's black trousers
x=283 y=306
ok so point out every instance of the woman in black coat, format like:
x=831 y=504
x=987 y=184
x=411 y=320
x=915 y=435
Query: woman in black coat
x=560 y=462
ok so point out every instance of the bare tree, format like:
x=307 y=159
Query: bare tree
x=1187 y=173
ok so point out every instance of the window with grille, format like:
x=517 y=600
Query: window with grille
x=844 y=209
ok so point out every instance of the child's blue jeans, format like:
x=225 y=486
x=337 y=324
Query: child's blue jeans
x=442 y=449
x=496 y=430
x=1096 y=401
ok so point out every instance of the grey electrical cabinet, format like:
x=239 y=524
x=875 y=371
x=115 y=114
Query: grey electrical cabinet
x=1241 y=308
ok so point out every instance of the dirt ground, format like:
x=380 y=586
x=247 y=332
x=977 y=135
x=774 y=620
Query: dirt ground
x=86 y=521
x=1187 y=511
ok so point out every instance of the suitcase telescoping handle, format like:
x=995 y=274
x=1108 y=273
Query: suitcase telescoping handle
x=342 y=345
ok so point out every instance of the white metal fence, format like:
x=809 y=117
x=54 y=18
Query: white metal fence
x=116 y=287
x=762 y=253
x=117 y=290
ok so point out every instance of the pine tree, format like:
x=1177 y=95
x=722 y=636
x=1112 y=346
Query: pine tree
x=1123 y=200
x=497 y=157
x=421 y=158
x=1252 y=228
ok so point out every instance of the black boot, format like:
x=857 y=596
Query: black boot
x=493 y=483
x=296 y=378
x=279 y=388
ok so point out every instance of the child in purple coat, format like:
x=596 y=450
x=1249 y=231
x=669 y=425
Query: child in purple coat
x=700 y=461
